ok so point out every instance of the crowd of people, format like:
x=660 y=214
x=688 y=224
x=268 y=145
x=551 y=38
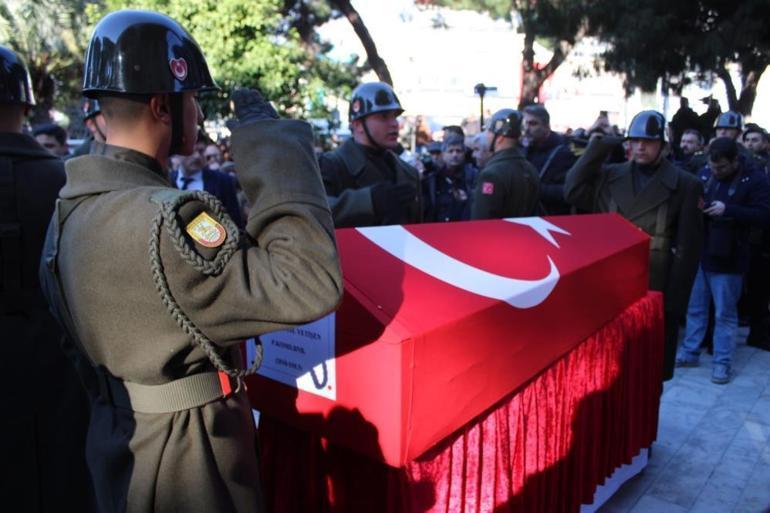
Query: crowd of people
x=698 y=188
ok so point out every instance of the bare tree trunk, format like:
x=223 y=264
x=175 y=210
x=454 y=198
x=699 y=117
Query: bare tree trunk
x=530 y=83
x=44 y=89
x=749 y=91
x=372 y=56
x=732 y=97
x=532 y=77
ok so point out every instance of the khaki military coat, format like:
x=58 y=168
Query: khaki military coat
x=284 y=272
x=675 y=252
x=508 y=186
x=348 y=176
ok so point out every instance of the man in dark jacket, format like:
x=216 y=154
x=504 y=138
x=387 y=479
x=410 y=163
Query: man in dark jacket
x=691 y=156
x=215 y=182
x=656 y=196
x=45 y=407
x=366 y=183
x=508 y=185
x=449 y=189
x=737 y=197
x=551 y=155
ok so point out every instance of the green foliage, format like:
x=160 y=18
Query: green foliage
x=268 y=44
x=49 y=36
x=653 y=39
x=249 y=43
x=549 y=21
x=500 y=9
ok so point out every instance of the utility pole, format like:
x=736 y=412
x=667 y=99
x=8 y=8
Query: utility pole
x=481 y=90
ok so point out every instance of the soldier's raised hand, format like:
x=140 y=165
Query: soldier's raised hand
x=249 y=106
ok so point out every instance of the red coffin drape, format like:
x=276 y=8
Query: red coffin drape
x=544 y=448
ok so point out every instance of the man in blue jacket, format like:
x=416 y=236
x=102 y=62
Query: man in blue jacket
x=736 y=197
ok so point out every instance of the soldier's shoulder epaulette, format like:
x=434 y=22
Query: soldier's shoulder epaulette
x=198 y=226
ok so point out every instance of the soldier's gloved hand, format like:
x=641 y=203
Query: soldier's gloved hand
x=607 y=140
x=389 y=200
x=249 y=106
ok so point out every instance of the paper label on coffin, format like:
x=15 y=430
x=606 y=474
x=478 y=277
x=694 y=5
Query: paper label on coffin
x=440 y=321
x=302 y=357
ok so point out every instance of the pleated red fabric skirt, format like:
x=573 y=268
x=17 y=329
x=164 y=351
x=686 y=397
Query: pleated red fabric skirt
x=544 y=448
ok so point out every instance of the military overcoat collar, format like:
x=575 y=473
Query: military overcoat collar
x=111 y=168
x=353 y=156
x=506 y=154
x=658 y=189
x=23 y=146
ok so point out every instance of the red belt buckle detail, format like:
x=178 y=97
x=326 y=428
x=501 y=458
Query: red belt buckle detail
x=224 y=383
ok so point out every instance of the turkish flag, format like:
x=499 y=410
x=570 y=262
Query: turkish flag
x=440 y=321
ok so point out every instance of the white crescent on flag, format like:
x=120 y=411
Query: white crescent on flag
x=417 y=253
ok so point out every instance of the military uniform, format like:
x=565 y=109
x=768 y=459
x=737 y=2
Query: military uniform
x=146 y=452
x=508 y=186
x=45 y=407
x=350 y=171
x=667 y=209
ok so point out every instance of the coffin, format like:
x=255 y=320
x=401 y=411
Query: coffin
x=441 y=321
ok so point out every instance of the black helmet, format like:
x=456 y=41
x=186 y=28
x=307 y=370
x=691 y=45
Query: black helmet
x=648 y=124
x=505 y=122
x=143 y=52
x=90 y=108
x=15 y=82
x=730 y=119
x=372 y=97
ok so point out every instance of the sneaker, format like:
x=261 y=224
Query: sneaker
x=684 y=362
x=721 y=374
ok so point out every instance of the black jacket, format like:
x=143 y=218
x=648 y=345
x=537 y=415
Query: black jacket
x=223 y=187
x=552 y=159
x=45 y=408
x=746 y=196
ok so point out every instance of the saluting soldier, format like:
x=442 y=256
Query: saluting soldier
x=45 y=407
x=656 y=196
x=508 y=185
x=159 y=287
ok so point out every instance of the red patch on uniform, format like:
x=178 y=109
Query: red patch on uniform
x=701 y=203
x=178 y=68
x=487 y=188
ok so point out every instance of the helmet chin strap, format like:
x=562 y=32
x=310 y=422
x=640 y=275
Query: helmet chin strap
x=176 y=107
x=369 y=136
x=99 y=130
x=493 y=144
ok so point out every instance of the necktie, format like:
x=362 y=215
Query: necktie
x=186 y=181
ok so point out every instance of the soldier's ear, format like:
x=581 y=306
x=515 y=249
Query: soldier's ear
x=160 y=108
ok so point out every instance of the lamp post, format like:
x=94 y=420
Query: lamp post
x=481 y=90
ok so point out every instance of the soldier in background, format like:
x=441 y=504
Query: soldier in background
x=45 y=407
x=94 y=121
x=366 y=183
x=508 y=185
x=656 y=196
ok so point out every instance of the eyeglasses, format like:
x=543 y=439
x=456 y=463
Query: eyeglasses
x=211 y=157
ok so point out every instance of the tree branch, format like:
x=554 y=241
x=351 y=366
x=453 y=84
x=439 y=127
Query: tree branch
x=372 y=56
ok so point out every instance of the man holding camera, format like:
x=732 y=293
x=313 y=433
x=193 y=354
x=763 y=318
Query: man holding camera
x=736 y=197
